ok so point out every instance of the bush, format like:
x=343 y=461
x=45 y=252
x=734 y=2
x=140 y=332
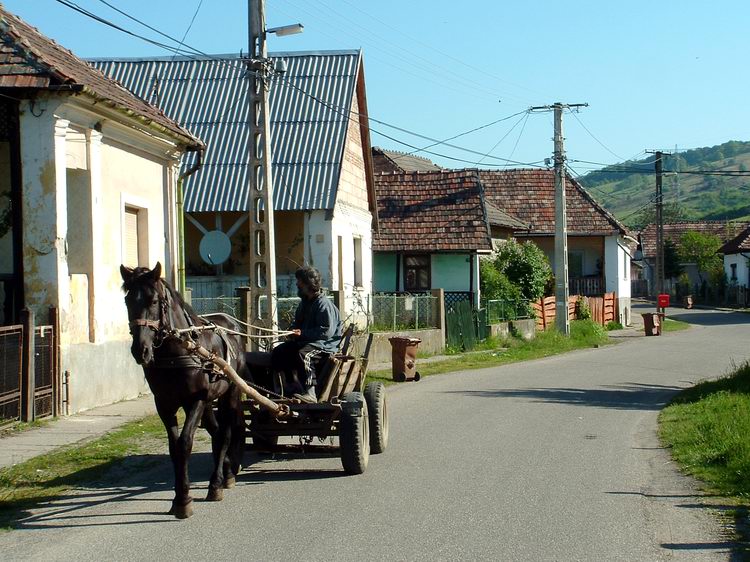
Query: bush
x=613 y=326
x=583 y=312
x=494 y=284
x=525 y=266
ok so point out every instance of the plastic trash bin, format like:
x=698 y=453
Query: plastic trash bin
x=652 y=323
x=404 y=358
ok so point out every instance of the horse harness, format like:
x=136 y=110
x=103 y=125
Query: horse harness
x=163 y=329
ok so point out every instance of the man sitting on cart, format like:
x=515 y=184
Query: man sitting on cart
x=316 y=334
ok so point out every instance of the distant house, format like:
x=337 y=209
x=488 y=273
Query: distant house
x=324 y=202
x=599 y=246
x=737 y=259
x=400 y=162
x=725 y=230
x=87 y=182
x=433 y=228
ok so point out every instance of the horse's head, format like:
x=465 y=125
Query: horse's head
x=143 y=298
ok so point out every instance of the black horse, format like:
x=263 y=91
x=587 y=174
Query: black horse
x=180 y=380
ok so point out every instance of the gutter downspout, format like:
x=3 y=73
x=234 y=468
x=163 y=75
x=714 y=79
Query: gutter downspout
x=181 y=221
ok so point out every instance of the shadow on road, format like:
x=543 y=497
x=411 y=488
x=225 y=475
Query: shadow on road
x=626 y=396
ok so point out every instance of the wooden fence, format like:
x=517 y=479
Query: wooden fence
x=603 y=309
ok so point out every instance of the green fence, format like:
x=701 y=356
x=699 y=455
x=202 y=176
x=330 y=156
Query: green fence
x=461 y=327
x=504 y=310
x=403 y=311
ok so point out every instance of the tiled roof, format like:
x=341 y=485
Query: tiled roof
x=308 y=115
x=725 y=230
x=395 y=161
x=740 y=243
x=529 y=195
x=28 y=59
x=431 y=211
x=498 y=217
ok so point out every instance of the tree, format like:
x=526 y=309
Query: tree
x=494 y=284
x=526 y=266
x=702 y=250
x=672 y=266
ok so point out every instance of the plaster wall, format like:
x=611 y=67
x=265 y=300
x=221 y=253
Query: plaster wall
x=591 y=248
x=617 y=275
x=319 y=245
x=352 y=224
x=384 y=272
x=76 y=182
x=742 y=264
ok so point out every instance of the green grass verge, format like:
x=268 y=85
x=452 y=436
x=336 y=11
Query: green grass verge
x=707 y=428
x=583 y=334
x=674 y=325
x=41 y=479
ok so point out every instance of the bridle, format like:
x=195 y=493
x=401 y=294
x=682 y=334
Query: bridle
x=163 y=326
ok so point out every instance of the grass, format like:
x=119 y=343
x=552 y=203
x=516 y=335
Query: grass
x=674 y=325
x=39 y=480
x=584 y=334
x=707 y=428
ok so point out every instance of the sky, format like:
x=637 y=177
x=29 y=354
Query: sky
x=655 y=74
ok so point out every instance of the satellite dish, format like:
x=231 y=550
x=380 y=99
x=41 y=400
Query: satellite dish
x=215 y=247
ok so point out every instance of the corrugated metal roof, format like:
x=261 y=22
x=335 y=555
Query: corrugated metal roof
x=209 y=97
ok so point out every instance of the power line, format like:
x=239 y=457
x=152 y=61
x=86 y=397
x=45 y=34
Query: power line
x=575 y=114
x=500 y=141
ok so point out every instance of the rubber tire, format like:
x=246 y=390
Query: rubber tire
x=400 y=377
x=377 y=408
x=417 y=376
x=354 y=436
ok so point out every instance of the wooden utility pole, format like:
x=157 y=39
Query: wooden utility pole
x=262 y=301
x=561 y=218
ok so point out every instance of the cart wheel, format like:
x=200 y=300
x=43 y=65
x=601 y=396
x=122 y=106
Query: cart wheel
x=417 y=376
x=378 y=413
x=400 y=377
x=354 y=434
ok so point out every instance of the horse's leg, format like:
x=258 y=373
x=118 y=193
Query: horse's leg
x=237 y=436
x=209 y=421
x=219 y=445
x=168 y=413
x=183 y=502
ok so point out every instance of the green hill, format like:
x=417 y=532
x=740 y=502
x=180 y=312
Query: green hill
x=628 y=193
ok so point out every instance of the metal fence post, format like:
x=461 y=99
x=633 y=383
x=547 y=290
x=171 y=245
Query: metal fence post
x=29 y=371
x=416 y=312
x=395 y=305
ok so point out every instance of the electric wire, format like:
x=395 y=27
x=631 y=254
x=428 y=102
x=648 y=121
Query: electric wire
x=500 y=141
x=585 y=128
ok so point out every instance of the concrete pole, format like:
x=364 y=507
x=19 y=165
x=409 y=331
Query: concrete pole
x=659 y=224
x=561 y=229
x=260 y=195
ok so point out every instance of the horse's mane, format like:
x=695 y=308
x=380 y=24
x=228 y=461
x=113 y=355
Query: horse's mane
x=141 y=275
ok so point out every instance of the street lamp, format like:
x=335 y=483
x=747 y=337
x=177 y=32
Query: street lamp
x=285 y=30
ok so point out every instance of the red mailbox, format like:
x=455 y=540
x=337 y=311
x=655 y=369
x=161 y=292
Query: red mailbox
x=662 y=301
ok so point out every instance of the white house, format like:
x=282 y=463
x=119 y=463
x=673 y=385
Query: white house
x=324 y=201
x=90 y=170
x=737 y=259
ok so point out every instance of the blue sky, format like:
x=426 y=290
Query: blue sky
x=655 y=74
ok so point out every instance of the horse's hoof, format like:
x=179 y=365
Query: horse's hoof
x=229 y=483
x=215 y=495
x=182 y=511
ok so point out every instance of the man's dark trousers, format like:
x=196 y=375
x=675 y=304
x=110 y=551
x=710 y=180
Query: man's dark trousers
x=300 y=357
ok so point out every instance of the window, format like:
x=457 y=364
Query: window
x=135 y=237
x=417 y=273
x=357 y=262
x=733 y=267
x=575 y=264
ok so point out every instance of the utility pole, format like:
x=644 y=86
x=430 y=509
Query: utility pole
x=260 y=193
x=562 y=322
x=659 y=201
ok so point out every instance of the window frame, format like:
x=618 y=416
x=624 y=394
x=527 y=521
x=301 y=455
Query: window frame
x=424 y=267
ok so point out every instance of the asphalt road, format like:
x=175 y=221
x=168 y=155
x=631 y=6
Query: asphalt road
x=555 y=459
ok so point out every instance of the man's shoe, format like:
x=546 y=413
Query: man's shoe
x=308 y=397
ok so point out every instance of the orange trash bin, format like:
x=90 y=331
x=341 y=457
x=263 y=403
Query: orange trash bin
x=404 y=358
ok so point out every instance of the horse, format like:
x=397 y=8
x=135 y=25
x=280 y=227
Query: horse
x=179 y=379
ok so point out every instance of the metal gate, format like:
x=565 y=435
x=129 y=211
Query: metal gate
x=30 y=385
x=11 y=351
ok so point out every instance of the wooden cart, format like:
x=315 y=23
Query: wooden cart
x=347 y=408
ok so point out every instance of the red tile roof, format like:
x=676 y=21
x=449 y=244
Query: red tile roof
x=28 y=59
x=431 y=211
x=740 y=243
x=726 y=230
x=529 y=195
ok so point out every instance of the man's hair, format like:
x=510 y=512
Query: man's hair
x=309 y=276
